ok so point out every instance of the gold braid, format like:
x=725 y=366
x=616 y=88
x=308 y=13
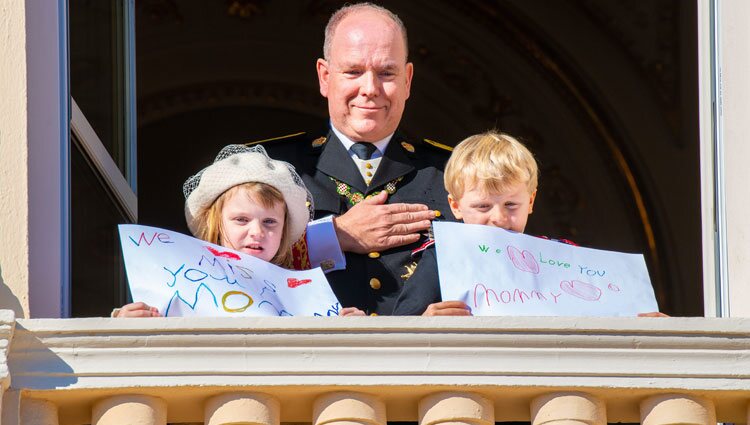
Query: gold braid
x=354 y=197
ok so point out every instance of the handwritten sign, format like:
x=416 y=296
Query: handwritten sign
x=497 y=272
x=184 y=276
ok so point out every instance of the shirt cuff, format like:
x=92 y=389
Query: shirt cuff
x=323 y=245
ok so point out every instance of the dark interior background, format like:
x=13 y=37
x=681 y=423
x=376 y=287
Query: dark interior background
x=604 y=92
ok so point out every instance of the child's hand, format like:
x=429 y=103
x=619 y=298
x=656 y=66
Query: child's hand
x=448 y=308
x=653 y=314
x=351 y=311
x=138 y=309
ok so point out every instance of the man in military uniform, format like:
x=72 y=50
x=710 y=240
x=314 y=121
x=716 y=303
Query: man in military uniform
x=381 y=190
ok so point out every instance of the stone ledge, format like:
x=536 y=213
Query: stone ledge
x=581 y=325
x=675 y=353
x=509 y=360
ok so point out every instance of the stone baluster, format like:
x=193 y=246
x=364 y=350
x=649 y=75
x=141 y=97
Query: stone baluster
x=348 y=408
x=568 y=408
x=242 y=408
x=130 y=409
x=456 y=408
x=673 y=409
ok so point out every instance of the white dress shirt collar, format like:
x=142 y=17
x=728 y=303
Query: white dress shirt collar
x=381 y=144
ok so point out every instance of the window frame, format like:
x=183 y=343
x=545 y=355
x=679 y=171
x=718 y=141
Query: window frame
x=714 y=228
x=713 y=178
x=122 y=186
x=104 y=165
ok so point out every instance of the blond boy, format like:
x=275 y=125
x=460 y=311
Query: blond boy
x=491 y=179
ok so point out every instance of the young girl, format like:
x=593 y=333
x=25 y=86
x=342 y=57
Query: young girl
x=248 y=202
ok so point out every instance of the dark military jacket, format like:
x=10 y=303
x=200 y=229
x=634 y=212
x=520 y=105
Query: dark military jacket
x=371 y=284
x=422 y=289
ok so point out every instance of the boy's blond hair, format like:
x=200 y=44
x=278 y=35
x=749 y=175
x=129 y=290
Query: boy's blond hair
x=491 y=162
x=209 y=222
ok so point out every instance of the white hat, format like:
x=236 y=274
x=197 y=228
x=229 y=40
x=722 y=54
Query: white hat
x=238 y=164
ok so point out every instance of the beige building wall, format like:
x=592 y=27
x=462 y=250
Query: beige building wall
x=14 y=211
x=33 y=110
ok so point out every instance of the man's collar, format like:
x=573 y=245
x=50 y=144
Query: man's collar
x=381 y=145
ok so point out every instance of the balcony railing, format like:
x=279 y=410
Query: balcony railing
x=369 y=370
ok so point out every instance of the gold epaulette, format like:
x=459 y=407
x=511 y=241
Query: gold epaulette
x=438 y=145
x=274 y=138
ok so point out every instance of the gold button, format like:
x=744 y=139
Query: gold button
x=374 y=254
x=368 y=165
x=375 y=283
x=438 y=213
x=368 y=181
x=327 y=264
x=369 y=174
x=373 y=314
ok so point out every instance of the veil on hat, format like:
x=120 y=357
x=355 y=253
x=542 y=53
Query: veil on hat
x=238 y=164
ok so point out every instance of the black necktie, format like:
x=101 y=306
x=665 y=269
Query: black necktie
x=363 y=150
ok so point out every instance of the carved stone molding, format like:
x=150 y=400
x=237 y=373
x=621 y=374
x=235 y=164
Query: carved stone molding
x=687 y=353
x=508 y=361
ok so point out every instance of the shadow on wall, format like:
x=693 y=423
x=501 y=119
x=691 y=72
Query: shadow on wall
x=8 y=300
x=45 y=369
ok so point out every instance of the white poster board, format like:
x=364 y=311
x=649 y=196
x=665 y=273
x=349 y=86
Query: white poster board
x=498 y=272
x=184 y=276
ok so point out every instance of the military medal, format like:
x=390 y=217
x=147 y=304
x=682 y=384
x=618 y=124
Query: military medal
x=354 y=197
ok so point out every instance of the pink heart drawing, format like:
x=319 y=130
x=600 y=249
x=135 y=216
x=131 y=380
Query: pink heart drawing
x=523 y=261
x=293 y=283
x=582 y=290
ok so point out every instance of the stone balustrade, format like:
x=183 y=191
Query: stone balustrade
x=370 y=370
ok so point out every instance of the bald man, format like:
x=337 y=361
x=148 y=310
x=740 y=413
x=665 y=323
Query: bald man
x=376 y=190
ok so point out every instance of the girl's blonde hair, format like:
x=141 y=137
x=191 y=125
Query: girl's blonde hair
x=492 y=162
x=209 y=221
